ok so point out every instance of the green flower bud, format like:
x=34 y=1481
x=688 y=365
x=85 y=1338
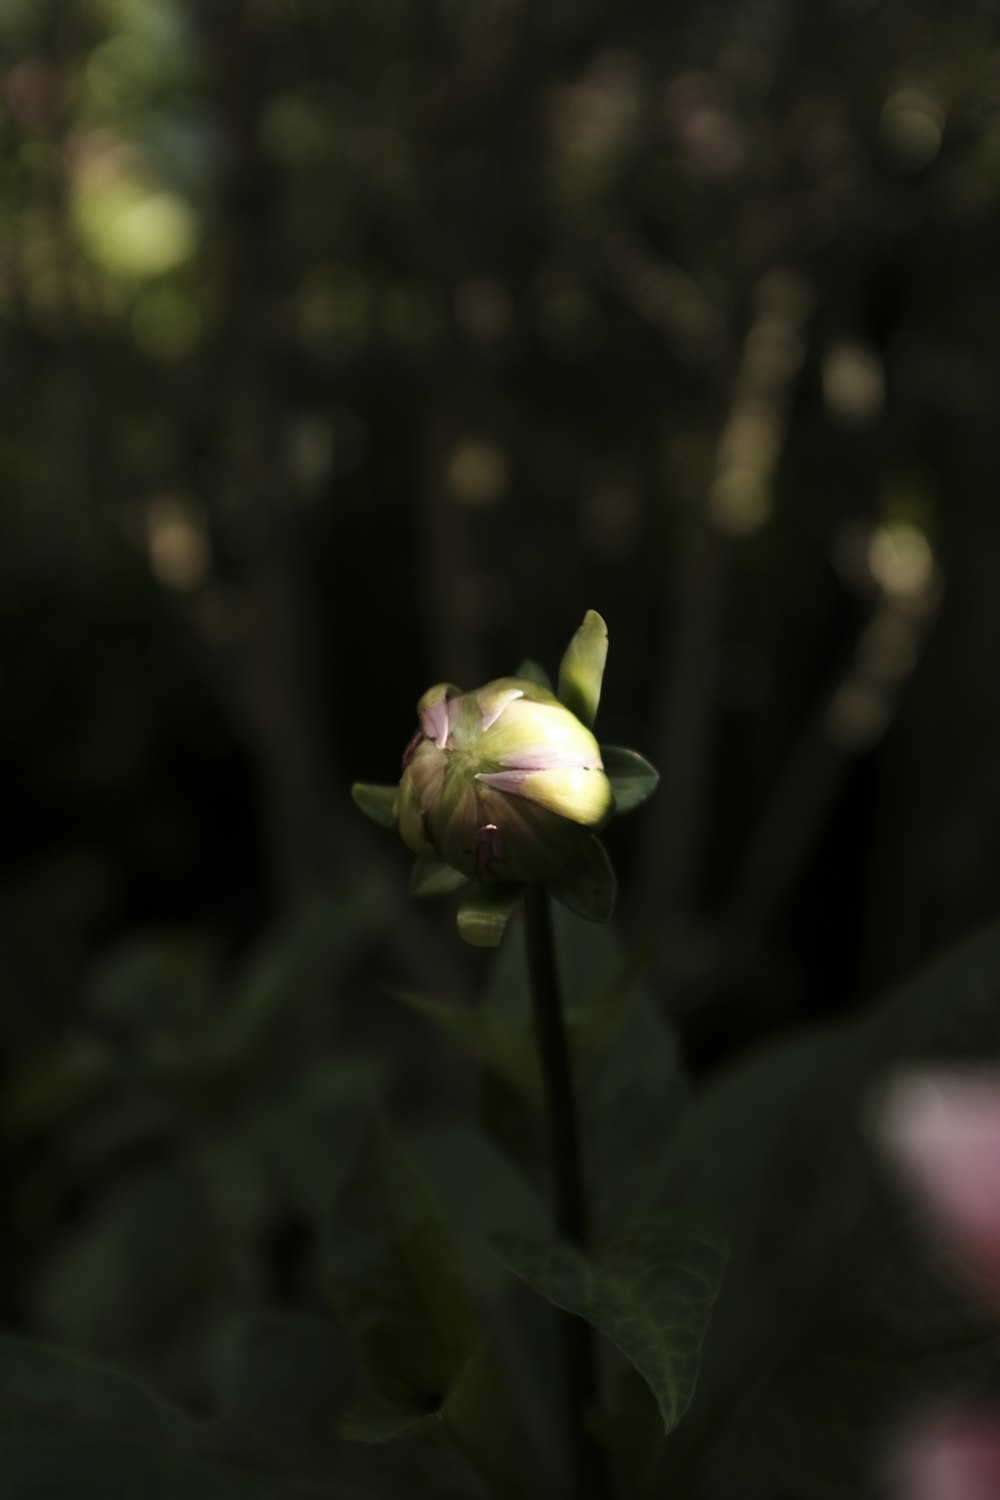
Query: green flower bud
x=502 y=783
x=503 y=787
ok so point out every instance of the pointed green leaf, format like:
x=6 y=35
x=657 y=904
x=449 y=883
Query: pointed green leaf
x=632 y=778
x=532 y=672
x=588 y=885
x=483 y=914
x=581 y=670
x=376 y=802
x=432 y=877
x=393 y=1274
x=506 y=1049
x=651 y=1293
x=75 y=1429
x=474 y=1418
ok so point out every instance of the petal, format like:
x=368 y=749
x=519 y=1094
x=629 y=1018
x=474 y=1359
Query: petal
x=494 y=698
x=488 y=851
x=581 y=671
x=944 y=1131
x=583 y=796
x=413 y=825
x=955 y=1456
x=456 y=819
x=533 y=736
x=432 y=711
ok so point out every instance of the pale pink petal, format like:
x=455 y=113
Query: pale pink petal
x=953 y=1457
x=492 y=705
x=434 y=722
x=944 y=1130
x=505 y=781
x=544 y=757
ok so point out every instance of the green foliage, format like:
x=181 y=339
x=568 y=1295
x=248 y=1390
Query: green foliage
x=834 y=1317
x=72 y=1429
x=632 y=778
x=837 y=1318
x=396 y=1281
x=650 y=1292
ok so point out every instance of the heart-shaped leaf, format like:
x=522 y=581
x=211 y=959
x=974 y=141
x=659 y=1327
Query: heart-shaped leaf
x=650 y=1292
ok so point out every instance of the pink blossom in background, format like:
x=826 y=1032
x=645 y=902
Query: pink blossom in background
x=952 y=1458
x=943 y=1130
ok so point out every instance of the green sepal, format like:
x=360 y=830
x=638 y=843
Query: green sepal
x=483 y=914
x=432 y=877
x=632 y=777
x=376 y=802
x=530 y=671
x=588 y=886
x=581 y=670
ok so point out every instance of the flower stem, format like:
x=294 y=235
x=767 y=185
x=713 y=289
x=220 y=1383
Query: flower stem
x=570 y=1206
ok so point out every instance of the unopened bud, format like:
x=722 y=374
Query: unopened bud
x=500 y=783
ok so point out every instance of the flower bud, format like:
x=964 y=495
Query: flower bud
x=503 y=787
x=502 y=783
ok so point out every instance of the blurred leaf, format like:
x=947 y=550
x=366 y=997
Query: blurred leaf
x=376 y=802
x=56 y=1085
x=632 y=777
x=650 y=1292
x=280 y=1382
x=483 y=914
x=394 y=1277
x=110 y=1287
x=594 y=1028
x=837 y=1314
x=431 y=877
x=629 y=1082
x=82 y=1432
x=507 y=1049
x=480 y=1192
x=155 y=981
x=587 y=887
x=581 y=670
x=286 y=968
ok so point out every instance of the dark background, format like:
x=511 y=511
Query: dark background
x=349 y=347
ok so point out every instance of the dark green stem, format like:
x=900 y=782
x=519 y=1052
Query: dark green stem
x=588 y=1476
